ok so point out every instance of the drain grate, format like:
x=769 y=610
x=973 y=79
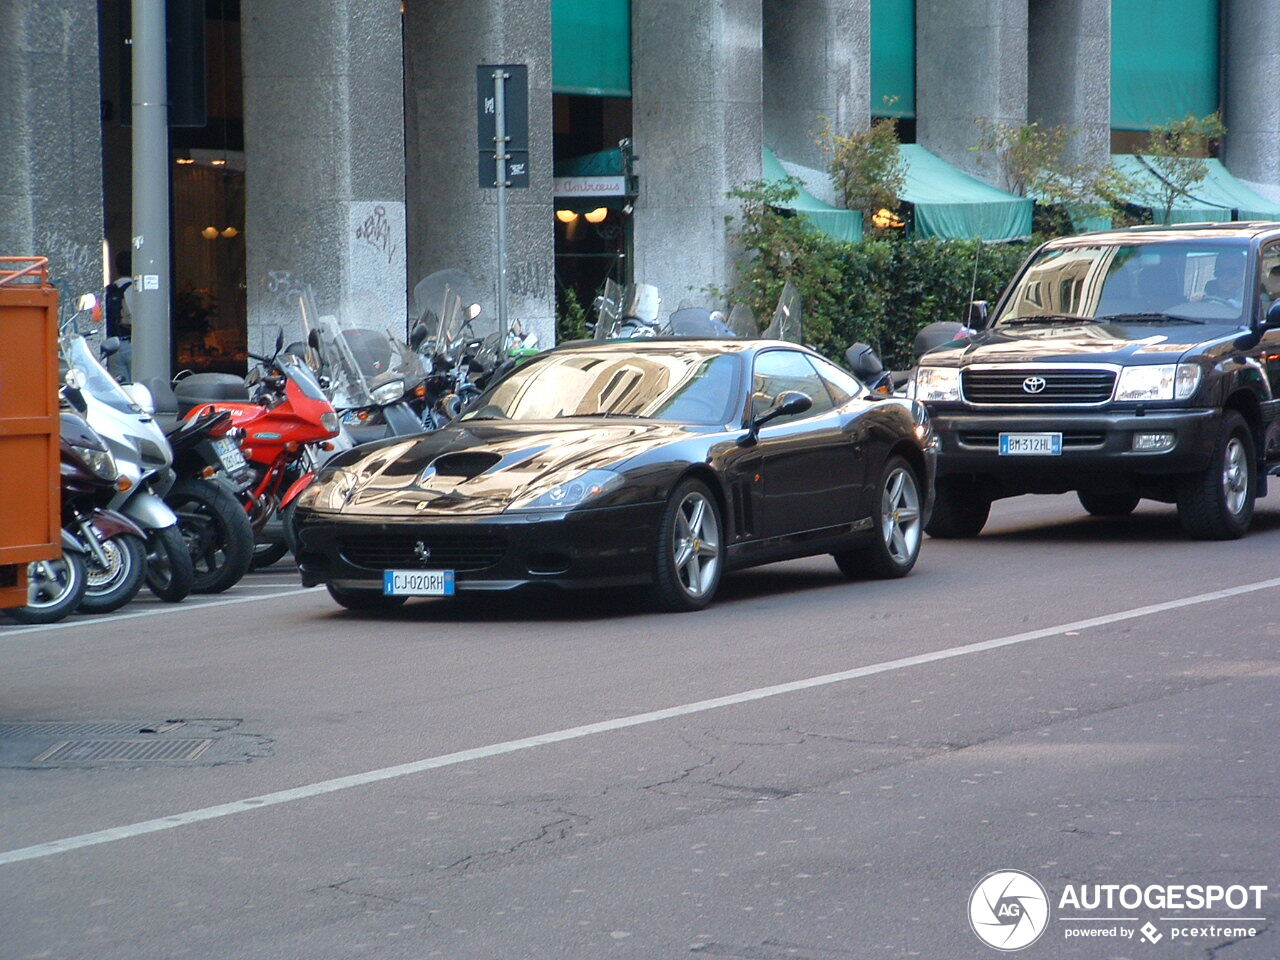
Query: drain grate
x=97 y=751
x=64 y=729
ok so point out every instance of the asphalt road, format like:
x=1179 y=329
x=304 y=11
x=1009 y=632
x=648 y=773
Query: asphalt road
x=388 y=787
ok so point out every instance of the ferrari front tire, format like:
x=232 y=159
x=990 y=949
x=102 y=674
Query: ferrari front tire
x=364 y=601
x=690 y=550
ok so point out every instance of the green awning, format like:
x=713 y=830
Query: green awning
x=604 y=163
x=1211 y=200
x=1164 y=61
x=591 y=47
x=950 y=203
x=833 y=221
x=893 y=57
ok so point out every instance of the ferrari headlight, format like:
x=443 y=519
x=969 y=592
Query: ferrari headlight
x=937 y=384
x=570 y=493
x=1166 y=381
x=389 y=392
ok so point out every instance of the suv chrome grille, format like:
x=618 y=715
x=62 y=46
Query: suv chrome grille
x=386 y=551
x=1060 y=385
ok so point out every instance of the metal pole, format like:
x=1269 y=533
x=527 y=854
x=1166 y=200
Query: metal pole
x=500 y=158
x=150 y=192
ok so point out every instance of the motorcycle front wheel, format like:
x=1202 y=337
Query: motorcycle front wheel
x=54 y=589
x=170 y=574
x=217 y=531
x=114 y=585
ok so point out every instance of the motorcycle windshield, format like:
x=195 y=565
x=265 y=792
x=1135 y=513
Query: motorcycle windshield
x=608 y=311
x=358 y=355
x=298 y=371
x=743 y=322
x=77 y=356
x=785 y=324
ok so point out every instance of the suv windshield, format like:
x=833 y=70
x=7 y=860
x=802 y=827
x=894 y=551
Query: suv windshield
x=680 y=386
x=1194 y=280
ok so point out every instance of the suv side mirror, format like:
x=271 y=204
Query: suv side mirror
x=977 y=319
x=1272 y=319
x=786 y=404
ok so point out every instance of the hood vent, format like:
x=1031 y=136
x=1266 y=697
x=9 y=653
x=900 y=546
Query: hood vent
x=464 y=465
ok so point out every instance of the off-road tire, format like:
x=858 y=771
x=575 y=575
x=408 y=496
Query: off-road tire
x=1204 y=499
x=960 y=510
x=1108 y=504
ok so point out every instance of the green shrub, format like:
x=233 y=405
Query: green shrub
x=877 y=290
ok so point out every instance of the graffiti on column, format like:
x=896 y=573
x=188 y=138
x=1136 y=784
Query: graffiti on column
x=377 y=231
x=530 y=279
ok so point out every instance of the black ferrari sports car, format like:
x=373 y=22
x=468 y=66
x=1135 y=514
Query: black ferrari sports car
x=660 y=462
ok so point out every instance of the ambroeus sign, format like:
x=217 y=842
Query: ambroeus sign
x=591 y=186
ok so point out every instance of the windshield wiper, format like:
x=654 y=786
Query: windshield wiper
x=1148 y=318
x=1047 y=318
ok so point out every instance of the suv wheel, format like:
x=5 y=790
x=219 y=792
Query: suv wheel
x=1108 y=504
x=960 y=510
x=1218 y=504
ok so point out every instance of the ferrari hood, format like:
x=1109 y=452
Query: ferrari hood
x=483 y=466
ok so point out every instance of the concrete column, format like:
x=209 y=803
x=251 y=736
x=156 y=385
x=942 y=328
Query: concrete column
x=1251 y=68
x=50 y=140
x=817 y=63
x=698 y=123
x=452 y=221
x=971 y=61
x=1069 y=72
x=324 y=145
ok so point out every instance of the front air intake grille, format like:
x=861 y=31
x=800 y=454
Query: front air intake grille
x=396 y=551
x=1070 y=438
x=1037 y=386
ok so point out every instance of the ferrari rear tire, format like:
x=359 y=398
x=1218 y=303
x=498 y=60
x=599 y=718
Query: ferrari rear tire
x=900 y=528
x=690 y=550
x=364 y=601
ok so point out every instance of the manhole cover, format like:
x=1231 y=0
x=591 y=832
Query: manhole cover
x=61 y=729
x=133 y=751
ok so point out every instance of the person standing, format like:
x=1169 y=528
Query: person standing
x=118 y=318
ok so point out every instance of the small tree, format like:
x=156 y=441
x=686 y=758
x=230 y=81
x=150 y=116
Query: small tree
x=865 y=165
x=1031 y=161
x=1177 y=153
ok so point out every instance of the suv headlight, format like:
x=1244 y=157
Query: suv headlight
x=1166 y=381
x=570 y=493
x=938 y=384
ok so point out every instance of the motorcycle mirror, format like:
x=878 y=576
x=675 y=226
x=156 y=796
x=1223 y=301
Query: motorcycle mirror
x=863 y=361
x=86 y=302
x=473 y=311
x=418 y=335
x=313 y=340
x=109 y=346
x=279 y=339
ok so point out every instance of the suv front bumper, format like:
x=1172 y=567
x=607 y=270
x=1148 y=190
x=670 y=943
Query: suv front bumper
x=1095 y=444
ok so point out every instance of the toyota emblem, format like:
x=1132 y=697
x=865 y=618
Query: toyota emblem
x=1034 y=384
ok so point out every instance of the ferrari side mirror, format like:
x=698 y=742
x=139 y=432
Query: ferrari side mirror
x=786 y=404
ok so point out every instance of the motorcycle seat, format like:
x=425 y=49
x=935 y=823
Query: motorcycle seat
x=199 y=388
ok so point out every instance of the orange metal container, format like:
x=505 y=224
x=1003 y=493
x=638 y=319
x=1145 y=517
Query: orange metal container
x=29 y=493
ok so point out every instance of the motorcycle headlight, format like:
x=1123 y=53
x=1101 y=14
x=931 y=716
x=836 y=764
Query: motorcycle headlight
x=101 y=462
x=1166 y=381
x=570 y=493
x=330 y=422
x=936 y=384
x=389 y=392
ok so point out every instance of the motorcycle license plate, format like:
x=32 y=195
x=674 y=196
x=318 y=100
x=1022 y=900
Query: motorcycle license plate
x=230 y=455
x=1030 y=444
x=418 y=583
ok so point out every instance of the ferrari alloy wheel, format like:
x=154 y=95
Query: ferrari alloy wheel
x=901 y=525
x=690 y=555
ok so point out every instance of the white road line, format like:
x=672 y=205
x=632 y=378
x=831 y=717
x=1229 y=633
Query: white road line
x=184 y=607
x=66 y=844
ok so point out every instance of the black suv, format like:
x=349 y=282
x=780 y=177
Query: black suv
x=1121 y=365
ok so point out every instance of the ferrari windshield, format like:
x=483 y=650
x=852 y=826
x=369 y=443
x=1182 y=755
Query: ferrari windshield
x=1194 y=280
x=681 y=386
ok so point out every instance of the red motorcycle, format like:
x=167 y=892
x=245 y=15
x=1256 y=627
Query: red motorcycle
x=284 y=415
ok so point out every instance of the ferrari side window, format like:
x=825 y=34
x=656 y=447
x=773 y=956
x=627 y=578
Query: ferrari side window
x=777 y=371
x=842 y=386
